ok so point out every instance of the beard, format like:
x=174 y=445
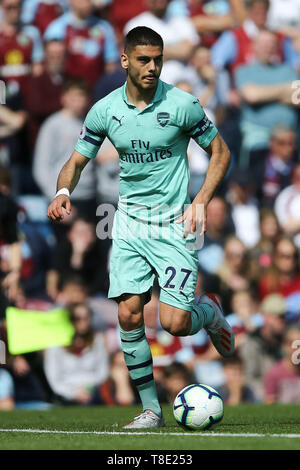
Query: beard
x=140 y=85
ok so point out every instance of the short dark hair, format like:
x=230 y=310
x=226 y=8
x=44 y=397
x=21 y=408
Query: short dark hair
x=75 y=84
x=142 y=36
x=86 y=218
x=177 y=368
x=250 y=3
x=231 y=361
x=72 y=279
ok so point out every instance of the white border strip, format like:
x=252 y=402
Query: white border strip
x=132 y=433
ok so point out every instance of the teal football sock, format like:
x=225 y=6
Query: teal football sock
x=201 y=316
x=138 y=359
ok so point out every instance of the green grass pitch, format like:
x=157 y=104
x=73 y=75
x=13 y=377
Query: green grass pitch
x=243 y=427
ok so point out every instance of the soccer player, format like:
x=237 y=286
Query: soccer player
x=150 y=123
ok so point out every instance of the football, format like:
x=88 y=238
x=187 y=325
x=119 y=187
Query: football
x=198 y=407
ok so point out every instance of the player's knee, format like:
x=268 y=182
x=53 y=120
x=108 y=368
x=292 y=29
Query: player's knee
x=175 y=327
x=128 y=319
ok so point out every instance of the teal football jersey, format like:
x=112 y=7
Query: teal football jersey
x=152 y=146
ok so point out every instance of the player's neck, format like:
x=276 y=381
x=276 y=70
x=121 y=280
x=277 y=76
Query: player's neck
x=138 y=96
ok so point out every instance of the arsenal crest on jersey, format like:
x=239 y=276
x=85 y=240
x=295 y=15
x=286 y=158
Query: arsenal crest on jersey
x=163 y=118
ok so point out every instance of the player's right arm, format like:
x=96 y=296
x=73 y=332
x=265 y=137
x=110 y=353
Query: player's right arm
x=68 y=178
x=91 y=138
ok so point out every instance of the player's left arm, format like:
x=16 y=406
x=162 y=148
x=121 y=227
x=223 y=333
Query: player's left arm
x=220 y=159
x=219 y=163
x=196 y=125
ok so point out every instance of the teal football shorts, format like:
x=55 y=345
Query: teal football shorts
x=141 y=252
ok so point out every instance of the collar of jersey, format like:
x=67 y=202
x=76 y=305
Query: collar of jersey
x=157 y=96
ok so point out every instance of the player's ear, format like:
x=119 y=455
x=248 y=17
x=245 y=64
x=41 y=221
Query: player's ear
x=124 y=61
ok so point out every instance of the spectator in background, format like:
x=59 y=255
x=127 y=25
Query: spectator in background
x=71 y=291
x=265 y=88
x=209 y=85
x=120 y=15
x=273 y=166
x=108 y=83
x=44 y=92
x=284 y=276
x=31 y=390
x=261 y=349
x=91 y=43
x=176 y=376
x=10 y=248
x=261 y=255
x=219 y=227
x=211 y=18
x=287 y=207
x=80 y=254
x=245 y=317
x=12 y=120
x=14 y=153
x=6 y=390
x=55 y=143
x=178 y=33
x=37 y=260
x=36 y=254
x=41 y=13
x=235 y=47
x=212 y=86
x=282 y=380
x=243 y=206
x=284 y=16
x=235 y=391
x=40 y=303
x=233 y=274
x=78 y=373
x=121 y=386
x=21 y=50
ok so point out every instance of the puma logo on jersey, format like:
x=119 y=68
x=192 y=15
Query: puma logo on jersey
x=118 y=120
x=182 y=293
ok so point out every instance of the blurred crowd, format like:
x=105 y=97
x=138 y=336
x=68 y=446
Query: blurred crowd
x=242 y=60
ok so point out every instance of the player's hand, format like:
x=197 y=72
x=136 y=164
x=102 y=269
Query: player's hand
x=58 y=207
x=194 y=218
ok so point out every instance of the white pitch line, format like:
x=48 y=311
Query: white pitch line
x=122 y=433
